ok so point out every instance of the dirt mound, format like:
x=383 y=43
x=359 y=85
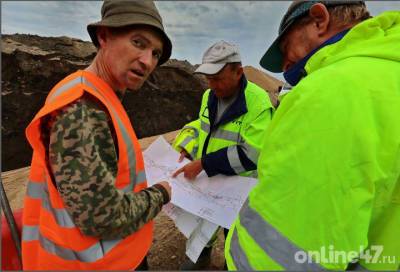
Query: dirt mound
x=32 y=65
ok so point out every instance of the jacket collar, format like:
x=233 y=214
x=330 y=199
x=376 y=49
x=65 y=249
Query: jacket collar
x=237 y=109
x=297 y=71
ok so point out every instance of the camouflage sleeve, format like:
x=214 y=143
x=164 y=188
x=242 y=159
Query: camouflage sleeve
x=83 y=160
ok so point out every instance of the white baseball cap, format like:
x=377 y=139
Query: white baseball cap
x=217 y=56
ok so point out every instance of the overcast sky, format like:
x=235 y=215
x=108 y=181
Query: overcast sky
x=192 y=25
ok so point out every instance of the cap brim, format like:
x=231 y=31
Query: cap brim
x=272 y=59
x=210 y=68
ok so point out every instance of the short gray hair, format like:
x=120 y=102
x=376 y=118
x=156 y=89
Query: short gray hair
x=342 y=15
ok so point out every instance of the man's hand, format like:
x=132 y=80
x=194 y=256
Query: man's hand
x=166 y=186
x=184 y=154
x=190 y=170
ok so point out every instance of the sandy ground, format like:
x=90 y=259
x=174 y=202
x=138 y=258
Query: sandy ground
x=168 y=249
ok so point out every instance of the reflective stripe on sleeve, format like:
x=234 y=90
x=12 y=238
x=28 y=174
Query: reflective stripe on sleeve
x=274 y=244
x=234 y=161
x=238 y=256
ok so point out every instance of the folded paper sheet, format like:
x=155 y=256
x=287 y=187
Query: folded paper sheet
x=197 y=207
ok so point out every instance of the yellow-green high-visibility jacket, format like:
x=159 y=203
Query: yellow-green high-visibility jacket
x=232 y=145
x=329 y=168
x=188 y=139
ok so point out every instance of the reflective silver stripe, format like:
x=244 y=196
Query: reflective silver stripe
x=65 y=87
x=91 y=254
x=204 y=126
x=194 y=152
x=140 y=177
x=131 y=155
x=234 y=161
x=221 y=133
x=30 y=233
x=226 y=135
x=107 y=245
x=35 y=189
x=238 y=255
x=184 y=144
x=129 y=145
x=275 y=245
x=186 y=141
x=60 y=215
x=196 y=131
x=130 y=151
x=251 y=152
x=40 y=191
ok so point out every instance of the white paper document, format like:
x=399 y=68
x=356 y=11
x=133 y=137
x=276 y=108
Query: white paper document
x=217 y=199
x=197 y=207
x=185 y=221
x=199 y=239
x=198 y=230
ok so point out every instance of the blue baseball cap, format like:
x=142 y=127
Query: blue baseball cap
x=272 y=59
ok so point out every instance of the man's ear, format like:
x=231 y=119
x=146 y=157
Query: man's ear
x=102 y=36
x=240 y=71
x=321 y=18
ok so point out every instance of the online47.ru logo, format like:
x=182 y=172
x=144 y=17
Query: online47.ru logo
x=330 y=255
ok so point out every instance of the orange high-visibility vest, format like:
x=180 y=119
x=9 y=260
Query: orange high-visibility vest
x=50 y=239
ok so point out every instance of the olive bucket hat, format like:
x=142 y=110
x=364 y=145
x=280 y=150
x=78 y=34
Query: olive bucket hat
x=272 y=59
x=121 y=13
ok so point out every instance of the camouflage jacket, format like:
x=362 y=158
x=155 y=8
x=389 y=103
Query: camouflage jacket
x=83 y=160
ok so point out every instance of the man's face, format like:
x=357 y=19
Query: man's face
x=226 y=82
x=297 y=43
x=129 y=56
